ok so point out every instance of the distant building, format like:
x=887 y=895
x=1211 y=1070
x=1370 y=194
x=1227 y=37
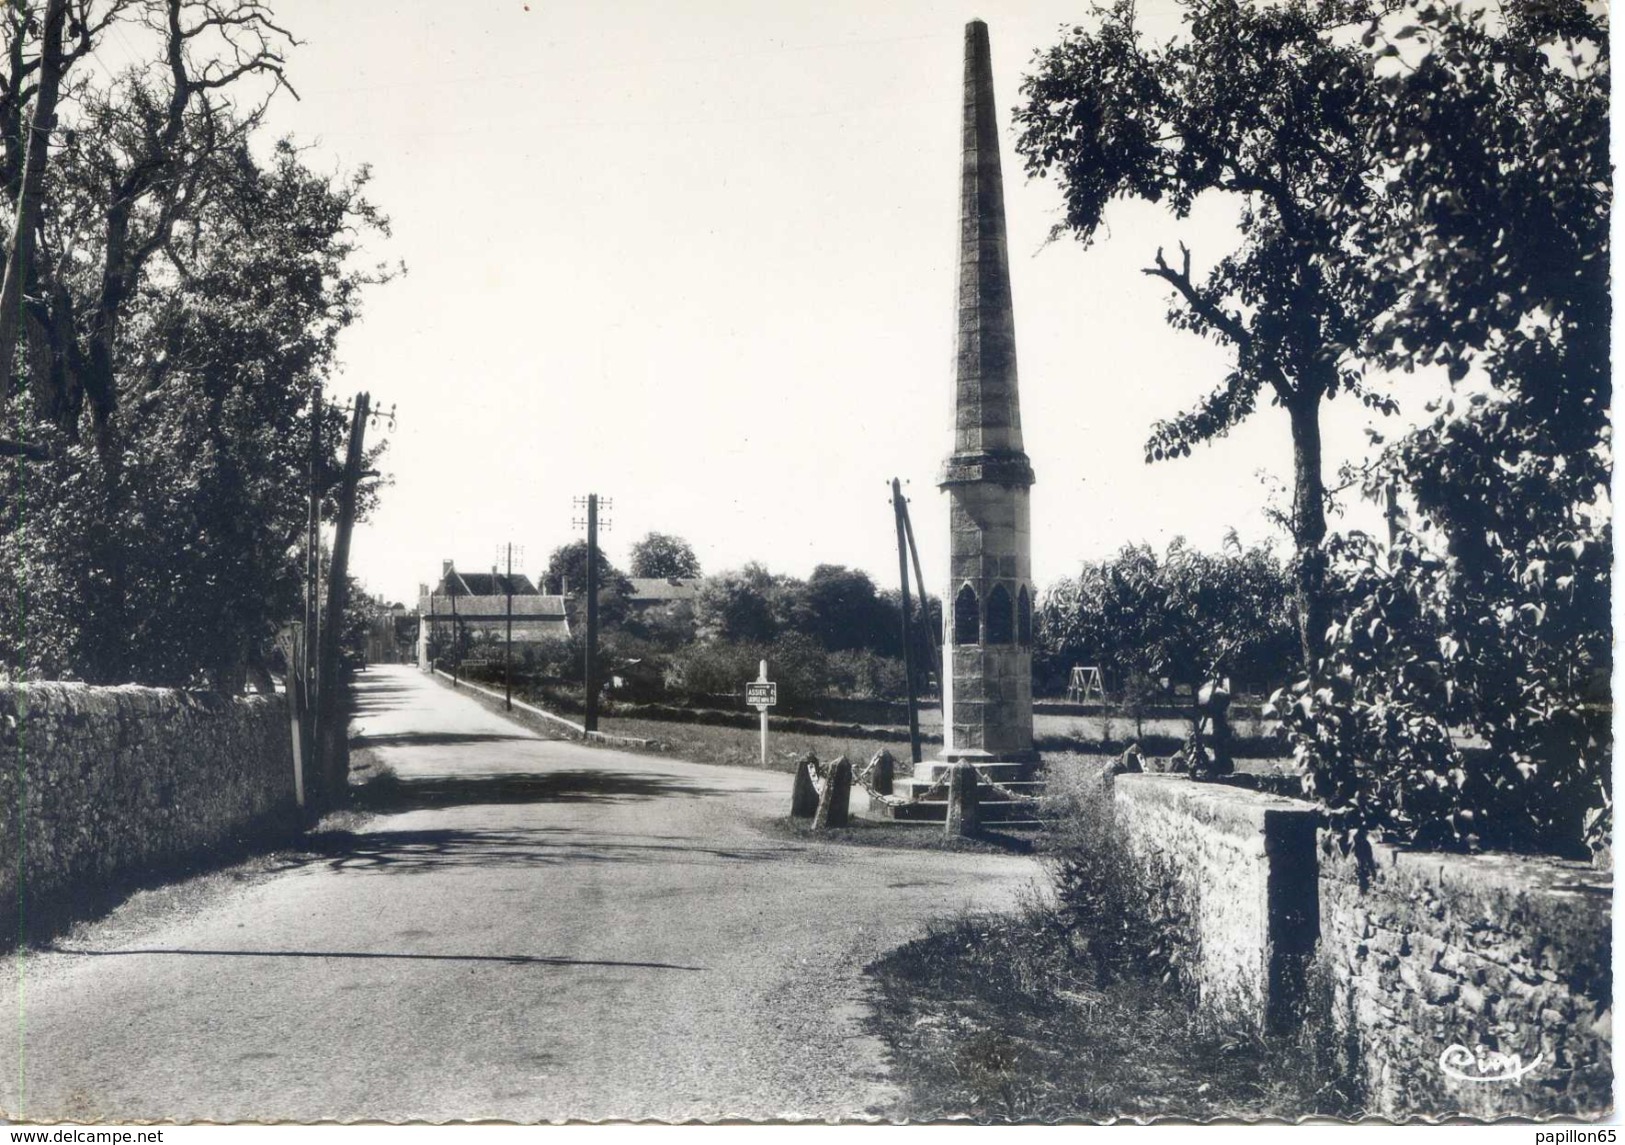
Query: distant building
x=652 y=590
x=476 y=604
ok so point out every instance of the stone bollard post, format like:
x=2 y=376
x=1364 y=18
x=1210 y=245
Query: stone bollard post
x=962 y=799
x=804 y=795
x=882 y=775
x=835 y=804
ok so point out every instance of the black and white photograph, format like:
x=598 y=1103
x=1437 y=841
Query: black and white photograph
x=1030 y=563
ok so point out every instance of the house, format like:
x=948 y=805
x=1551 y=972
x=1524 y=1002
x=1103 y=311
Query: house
x=478 y=605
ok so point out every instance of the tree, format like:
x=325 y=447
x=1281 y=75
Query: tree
x=567 y=569
x=1268 y=104
x=663 y=555
x=1491 y=614
x=1185 y=616
x=843 y=610
x=212 y=469
x=183 y=298
x=737 y=606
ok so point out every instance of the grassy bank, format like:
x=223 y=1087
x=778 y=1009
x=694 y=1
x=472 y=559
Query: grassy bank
x=1072 y=1007
x=1000 y=1018
x=739 y=747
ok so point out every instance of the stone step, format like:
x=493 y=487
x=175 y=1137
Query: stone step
x=932 y=770
x=935 y=810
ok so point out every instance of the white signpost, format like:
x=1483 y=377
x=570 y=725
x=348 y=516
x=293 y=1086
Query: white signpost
x=762 y=694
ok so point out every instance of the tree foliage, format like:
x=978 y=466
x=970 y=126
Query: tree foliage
x=182 y=296
x=1460 y=705
x=663 y=555
x=1269 y=105
x=1184 y=615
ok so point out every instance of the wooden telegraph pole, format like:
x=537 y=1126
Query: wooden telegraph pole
x=934 y=645
x=313 y=545
x=908 y=628
x=329 y=738
x=590 y=719
x=507 y=648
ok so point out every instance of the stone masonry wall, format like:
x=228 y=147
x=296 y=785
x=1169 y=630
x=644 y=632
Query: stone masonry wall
x=1425 y=965
x=1225 y=868
x=1505 y=954
x=96 y=783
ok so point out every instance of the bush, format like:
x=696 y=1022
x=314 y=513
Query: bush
x=1120 y=911
x=861 y=674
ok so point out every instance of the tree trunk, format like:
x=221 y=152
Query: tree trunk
x=1309 y=530
x=35 y=149
x=332 y=730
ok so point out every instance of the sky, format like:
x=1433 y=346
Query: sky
x=699 y=258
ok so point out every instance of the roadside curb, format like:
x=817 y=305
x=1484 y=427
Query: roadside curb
x=577 y=730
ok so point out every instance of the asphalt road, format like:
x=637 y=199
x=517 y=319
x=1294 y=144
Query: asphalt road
x=534 y=931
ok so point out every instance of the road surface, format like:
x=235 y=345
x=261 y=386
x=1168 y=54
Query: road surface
x=532 y=930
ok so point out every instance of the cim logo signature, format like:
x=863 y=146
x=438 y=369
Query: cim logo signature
x=1482 y=1064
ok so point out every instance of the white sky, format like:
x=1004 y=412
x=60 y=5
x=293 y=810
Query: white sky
x=699 y=257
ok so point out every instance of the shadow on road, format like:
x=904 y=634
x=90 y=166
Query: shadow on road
x=390 y=793
x=509 y=959
x=423 y=851
x=436 y=739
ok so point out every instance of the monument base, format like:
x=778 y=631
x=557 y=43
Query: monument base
x=1012 y=771
x=1004 y=767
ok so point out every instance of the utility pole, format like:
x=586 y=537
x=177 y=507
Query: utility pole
x=590 y=720
x=935 y=644
x=313 y=543
x=908 y=628
x=330 y=740
x=456 y=634
x=330 y=723
x=507 y=649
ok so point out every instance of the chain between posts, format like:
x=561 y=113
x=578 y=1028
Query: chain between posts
x=819 y=774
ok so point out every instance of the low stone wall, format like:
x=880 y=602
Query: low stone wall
x=1441 y=976
x=100 y=783
x=1489 y=953
x=1230 y=872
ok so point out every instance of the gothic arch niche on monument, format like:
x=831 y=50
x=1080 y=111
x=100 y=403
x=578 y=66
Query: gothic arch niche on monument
x=1000 y=620
x=1024 y=618
x=967 y=622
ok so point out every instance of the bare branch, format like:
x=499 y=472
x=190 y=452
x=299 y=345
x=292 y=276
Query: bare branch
x=1215 y=316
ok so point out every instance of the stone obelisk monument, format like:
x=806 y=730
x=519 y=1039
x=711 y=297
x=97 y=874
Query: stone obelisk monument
x=987 y=642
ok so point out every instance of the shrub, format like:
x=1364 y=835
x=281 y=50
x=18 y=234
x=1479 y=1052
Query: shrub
x=863 y=674
x=1121 y=911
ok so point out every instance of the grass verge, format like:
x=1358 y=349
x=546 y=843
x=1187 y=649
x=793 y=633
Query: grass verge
x=998 y=1018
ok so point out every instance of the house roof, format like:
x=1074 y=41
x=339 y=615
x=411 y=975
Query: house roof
x=455 y=583
x=662 y=589
x=490 y=606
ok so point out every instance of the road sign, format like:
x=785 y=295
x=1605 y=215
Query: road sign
x=762 y=694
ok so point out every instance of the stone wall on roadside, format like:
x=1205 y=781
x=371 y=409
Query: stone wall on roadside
x=1225 y=869
x=1493 y=954
x=1438 y=976
x=98 y=784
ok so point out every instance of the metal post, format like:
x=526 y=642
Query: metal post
x=908 y=627
x=590 y=722
x=761 y=678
